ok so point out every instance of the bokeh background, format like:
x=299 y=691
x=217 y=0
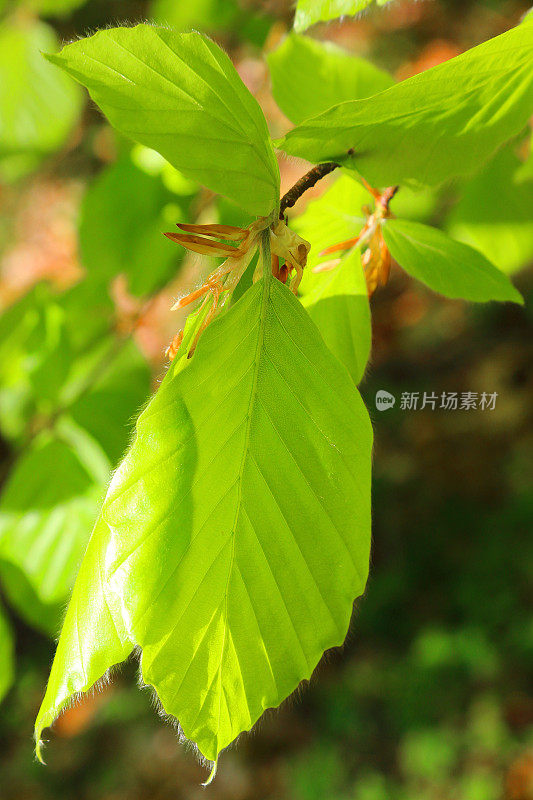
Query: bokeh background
x=430 y=698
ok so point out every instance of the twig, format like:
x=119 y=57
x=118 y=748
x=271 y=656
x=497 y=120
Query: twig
x=306 y=182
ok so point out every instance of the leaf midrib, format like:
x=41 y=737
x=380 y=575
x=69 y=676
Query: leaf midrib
x=246 y=446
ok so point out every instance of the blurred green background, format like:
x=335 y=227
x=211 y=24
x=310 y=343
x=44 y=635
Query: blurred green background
x=430 y=698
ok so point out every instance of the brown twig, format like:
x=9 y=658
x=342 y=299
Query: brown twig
x=388 y=194
x=306 y=182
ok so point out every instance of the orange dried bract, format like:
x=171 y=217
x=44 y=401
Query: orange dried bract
x=218 y=231
x=201 y=245
x=334 y=248
x=174 y=346
x=327 y=266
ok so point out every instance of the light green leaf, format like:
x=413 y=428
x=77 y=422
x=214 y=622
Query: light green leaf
x=179 y=94
x=121 y=224
x=434 y=126
x=6 y=654
x=337 y=301
x=235 y=534
x=38 y=105
x=48 y=506
x=309 y=12
x=446 y=266
x=335 y=216
x=495 y=214
x=338 y=305
x=309 y=77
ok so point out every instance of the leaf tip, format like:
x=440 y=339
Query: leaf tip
x=39 y=746
x=212 y=774
x=53 y=58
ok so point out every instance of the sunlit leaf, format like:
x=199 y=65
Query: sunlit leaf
x=337 y=300
x=309 y=12
x=235 y=534
x=309 y=77
x=38 y=105
x=494 y=214
x=338 y=305
x=449 y=267
x=434 y=126
x=179 y=94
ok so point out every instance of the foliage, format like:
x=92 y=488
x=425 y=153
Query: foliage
x=39 y=105
x=309 y=12
x=429 y=255
x=241 y=556
x=447 y=120
x=309 y=77
x=180 y=95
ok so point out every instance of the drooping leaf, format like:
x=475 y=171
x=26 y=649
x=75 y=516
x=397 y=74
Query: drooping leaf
x=434 y=126
x=179 y=94
x=449 y=267
x=6 y=654
x=38 y=105
x=309 y=77
x=337 y=300
x=309 y=12
x=121 y=224
x=48 y=506
x=494 y=214
x=206 y=551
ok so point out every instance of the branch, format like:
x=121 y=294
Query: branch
x=306 y=182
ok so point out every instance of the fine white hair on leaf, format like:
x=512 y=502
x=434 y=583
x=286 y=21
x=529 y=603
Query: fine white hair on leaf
x=75 y=699
x=171 y=720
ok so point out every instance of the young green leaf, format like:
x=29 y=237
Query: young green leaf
x=309 y=12
x=38 y=105
x=206 y=551
x=337 y=300
x=434 y=126
x=338 y=305
x=309 y=77
x=446 y=266
x=179 y=94
x=495 y=214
